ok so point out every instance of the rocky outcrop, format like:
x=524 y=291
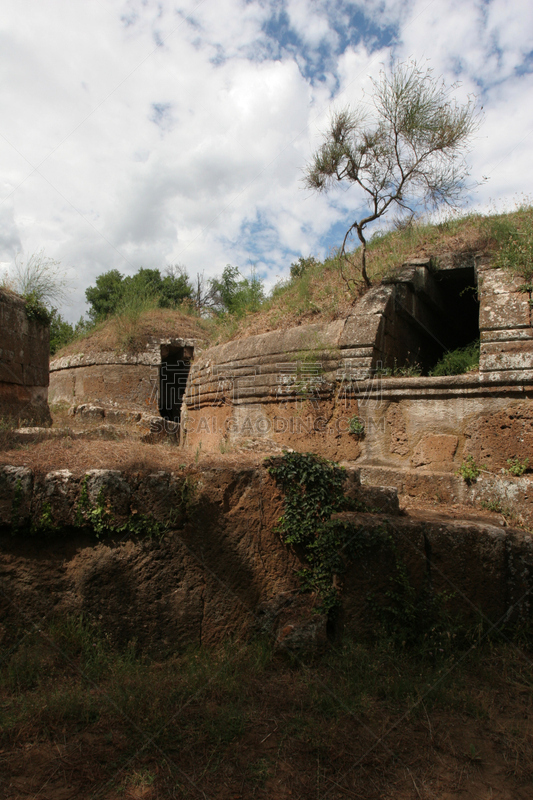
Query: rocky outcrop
x=171 y=559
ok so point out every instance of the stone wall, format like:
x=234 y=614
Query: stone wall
x=220 y=568
x=301 y=387
x=505 y=324
x=110 y=379
x=24 y=354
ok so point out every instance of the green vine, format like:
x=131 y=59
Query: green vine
x=45 y=523
x=411 y=617
x=99 y=517
x=313 y=489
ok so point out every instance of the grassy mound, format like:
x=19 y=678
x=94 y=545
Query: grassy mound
x=131 y=331
x=317 y=291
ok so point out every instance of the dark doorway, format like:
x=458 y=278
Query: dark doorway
x=173 y=374
x=459 y=301
x=433 y=312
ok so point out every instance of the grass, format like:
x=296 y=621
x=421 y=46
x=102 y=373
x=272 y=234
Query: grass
x=319 y=293
x=237 y=720
x=8 y=426
x=135 y=328
x=316 y=291
x=459 y=361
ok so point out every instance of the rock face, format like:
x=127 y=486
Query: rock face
x=206 y=562
x=24 y=351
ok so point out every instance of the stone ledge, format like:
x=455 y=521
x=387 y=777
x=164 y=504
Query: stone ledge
x=150 y=357
x=513 y=494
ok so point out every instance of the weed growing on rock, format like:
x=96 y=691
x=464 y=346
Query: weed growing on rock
x=415 y=619
x=459 y=361
x=45 y=523
x=356 y=426
x=15 y=506
x=411 y=369
x=469 y=470
x=517 y=467
x=514 y=235
x=99 y=517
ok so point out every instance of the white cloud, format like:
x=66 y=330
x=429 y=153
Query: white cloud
x=166 y=133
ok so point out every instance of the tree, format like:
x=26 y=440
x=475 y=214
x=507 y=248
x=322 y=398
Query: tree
x=61 y=331
x=236 y=296
x=104 y=298
x=409 y=150
x=175 y=287
x=298 y=268
x=113 y=290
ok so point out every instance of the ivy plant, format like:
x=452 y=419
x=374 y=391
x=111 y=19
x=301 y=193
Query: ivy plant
x=313 y=489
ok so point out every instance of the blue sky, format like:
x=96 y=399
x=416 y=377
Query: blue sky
x=149 y=133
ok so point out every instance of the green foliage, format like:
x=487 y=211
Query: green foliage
x=356 y=426
x=113 y=293
x=469 y=470
x=303 y=265
x=411 y=369
x=235 y=294
x=105 y=295
x=36 y=310
x=61 y=331
x=45 y=523
x=40 y=280
x=313 y=490
x=492 y=505
x=514 y=236
x=129 y=312
x=459 y=361
x=15 y=506
x=517 y=467
x=411 y=618
x=99 y=518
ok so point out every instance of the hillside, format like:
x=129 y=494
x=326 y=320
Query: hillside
x=132 y=333
x=320 y=292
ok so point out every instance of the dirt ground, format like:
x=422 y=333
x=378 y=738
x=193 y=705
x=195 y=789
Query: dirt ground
x=288 y=730
x=294 y=736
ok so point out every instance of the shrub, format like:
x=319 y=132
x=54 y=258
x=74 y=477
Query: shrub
x=469 y=470
x=459 y=361
x=516 y=467
x=356 y=426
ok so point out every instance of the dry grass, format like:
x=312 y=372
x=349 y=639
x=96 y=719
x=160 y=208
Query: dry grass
x=80 y=719
x=320 y=294
x=80 y=455
x=7 y=435
x=117 y=332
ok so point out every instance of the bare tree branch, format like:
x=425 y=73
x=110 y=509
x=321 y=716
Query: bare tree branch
x=409 y=152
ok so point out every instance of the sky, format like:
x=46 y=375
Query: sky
x=157 y=132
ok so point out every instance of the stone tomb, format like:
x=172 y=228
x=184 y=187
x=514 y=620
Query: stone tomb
x=24 y=355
